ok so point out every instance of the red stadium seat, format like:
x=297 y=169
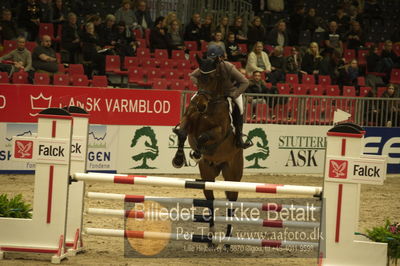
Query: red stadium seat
x=153 y=73
x=287 y=50
x=20 y=77
x=332 y=90
x=76 y=69
x=292 y=78
x=41 y=79
x=177 y=84
x=178 y=54
x=143 y=52
x=131 y=61
x=161 y=53
x=349 y=91
x=149 y=62
x=9 y=45
x=137 y=33
x=4 y=77
x=99 y=81
x=324 y=80
x=380 y=91
x=113 y=63
x=308 y=79
x=300 y=89
x=243 y=48
x=361 y=81
x=317 y=90
x=30 y=46
x=167 y=64
x=349 y=54
x=364 y=91
x=395 y=76
x=283 y=88
x=141 y=43
x=79 y=80
x=61 y=79
x=191 y=45
x=135 y=76
x=173 y=74
x=160 y=84
x=183 y=64
x=362 y=57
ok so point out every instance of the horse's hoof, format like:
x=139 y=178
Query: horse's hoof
x=178 y=161
x=195 y=155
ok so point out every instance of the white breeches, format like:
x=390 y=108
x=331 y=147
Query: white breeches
x=238 y=101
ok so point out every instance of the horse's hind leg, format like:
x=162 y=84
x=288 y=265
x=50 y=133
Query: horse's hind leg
x=209 y=172
x=232 y=171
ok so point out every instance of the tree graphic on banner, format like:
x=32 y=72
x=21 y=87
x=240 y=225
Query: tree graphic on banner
x=149 y=149
x=258 y=137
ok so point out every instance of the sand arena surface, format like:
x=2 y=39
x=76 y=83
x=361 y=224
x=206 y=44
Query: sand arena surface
x=377 y=204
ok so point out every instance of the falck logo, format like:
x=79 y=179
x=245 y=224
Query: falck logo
x=23 y=149
x=338 y=169
x=40 y=103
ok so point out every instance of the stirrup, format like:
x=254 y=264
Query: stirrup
x=241 y=144
x=195 y=155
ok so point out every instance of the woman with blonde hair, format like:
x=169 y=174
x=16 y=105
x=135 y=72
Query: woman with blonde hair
x=258 y=60
x=312 y=60
x=171 y=16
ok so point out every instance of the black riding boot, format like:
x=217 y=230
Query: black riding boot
x=238 y=123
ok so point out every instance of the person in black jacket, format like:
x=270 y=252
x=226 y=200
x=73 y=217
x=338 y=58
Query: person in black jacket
x=28 y=18
x=90 y=46
x=69 y=38
x=143 y=15
x=8 y=29
x=158 y=35
x=311 y=60
x=193 y=30
x=256 y=32
x=108 y=31
x=125 y=41
x=278 y=35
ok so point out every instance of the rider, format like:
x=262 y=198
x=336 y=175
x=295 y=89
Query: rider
x=240 y=83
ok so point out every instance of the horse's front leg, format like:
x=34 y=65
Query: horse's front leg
x=179 y=159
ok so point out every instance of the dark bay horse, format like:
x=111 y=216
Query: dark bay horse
x=207 y=124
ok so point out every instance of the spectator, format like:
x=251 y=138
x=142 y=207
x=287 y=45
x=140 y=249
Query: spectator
x=296 y=24
x=389 y=58
x=8 y=30
x=256 y=33
x=143 y=17
x=158 y=35
x=391 y=108
x=223 y=27
x=348 y=74
x=70 y=39
x=311 y=60
x=175 y=36
x=372 y=11
x=330 y=64
x=97 y=22
x=91 y=46
x=277 y=65
x=107 y=31
x=238 y=30
x=259 y=7
x=126 y=14
x=46 y=12
x=233 y=49
x=293 y=62
x=374 y=60
x=20 y=57
x=311 y=21
x=278 y=35
x=354 y=14
x=192 y=30
x=218 y=41
x=342 y=21
x=333 y=38
x=28 y=18
x=355 y=37
x=207 y=29
x=258 y=60
x=258 y=85
x=170 y=17
x=44 y=57
x=59 y=15
x=125 y=41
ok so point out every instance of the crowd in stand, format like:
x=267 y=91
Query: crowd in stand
x=271 y=50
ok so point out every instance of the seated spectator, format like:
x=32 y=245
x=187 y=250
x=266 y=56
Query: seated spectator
x=70 y=39
x=158 y=35
x=389 y=58
x=374 y=60
x=293 y=62
x=238 y=29
x=296 y=24
x=311 y=21
x=233 y=51
x=96 y=20
x=391 y=109
x=46 y=12
x=20 y=57
x=278 y=35
x=355 y=37
x=175 y=36
x=28 y=18
x=193 y=29
x=126 y=14
x=342 y=21
x=142 y=14
x=44 y=57
x=125 y=41
x=311 y=60
x=258 y=60
x=207 y=29
x=91 y=45
x=170 y=17
x=277 y=65
x=333 y=39
x=348 y=74
x=258 y=85
x=58 y=15
x=256 y=32
x=330 y=64
x=8 y=29
x=354 y=14
x=218 y=41
x=107 y=31
x=223 y=27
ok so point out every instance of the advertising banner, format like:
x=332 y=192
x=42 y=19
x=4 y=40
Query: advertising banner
x=22 y=103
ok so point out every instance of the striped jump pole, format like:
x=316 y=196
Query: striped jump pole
x=197 y=238
x=199 y=184
x=162 y=216
x=201 y=202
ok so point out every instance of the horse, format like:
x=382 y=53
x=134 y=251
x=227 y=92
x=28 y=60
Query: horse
x=207 y=124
